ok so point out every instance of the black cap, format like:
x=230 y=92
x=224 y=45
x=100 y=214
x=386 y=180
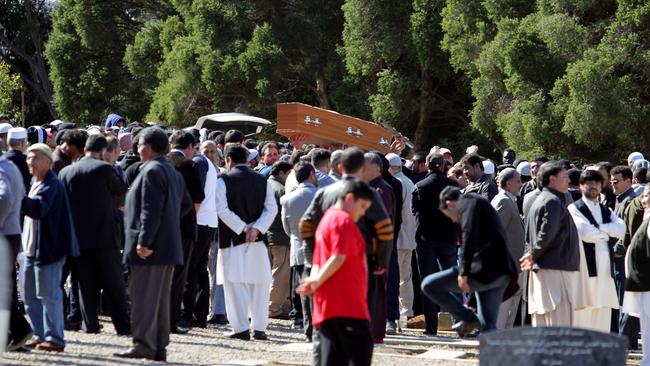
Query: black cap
x=96 y=143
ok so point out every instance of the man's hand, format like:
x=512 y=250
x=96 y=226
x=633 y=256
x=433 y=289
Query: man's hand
x=143 y=252
x=307 y=286
x=297 y=141
x=252 y=234
x=463 y=283
x=379 y=271
x=398 y=144
x=526 y=262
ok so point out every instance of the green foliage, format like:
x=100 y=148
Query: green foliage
x=559 y=77
x=86 y=50
x=10 y=86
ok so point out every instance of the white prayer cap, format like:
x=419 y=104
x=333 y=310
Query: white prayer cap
x=393 y=159
x=252 y=154
x=524 y=168
x=5 y=127
x=640 y=163
x=17 y=133
x=93 y=130
x=634 y=157
x=444 y=150
x=488 y=167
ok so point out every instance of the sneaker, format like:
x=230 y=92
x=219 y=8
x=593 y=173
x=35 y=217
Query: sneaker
x=391 y=327
x=464 y=328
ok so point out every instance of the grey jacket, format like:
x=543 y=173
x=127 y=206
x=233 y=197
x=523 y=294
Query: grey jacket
x=294 y=205
x=551 y=235
x=505 y=205
x=12 y=191
x=406 y=236
x=276 y=234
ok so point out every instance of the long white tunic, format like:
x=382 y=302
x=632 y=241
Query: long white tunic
x=246 y=263
x=601 y=290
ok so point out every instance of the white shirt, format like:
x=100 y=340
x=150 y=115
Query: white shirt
x=207 y=214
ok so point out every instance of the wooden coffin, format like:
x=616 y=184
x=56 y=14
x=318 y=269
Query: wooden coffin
x=328 y=128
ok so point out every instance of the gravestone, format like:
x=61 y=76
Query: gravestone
x=551 y=346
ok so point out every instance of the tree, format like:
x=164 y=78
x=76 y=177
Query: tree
x=24 y=27
x=9 y=88
x=224 y=55
x=392 y=51
x=86 y=50
x=557 y=77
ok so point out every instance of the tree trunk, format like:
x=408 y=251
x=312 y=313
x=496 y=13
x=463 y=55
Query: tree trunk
x=321 y=90
x=427 y=100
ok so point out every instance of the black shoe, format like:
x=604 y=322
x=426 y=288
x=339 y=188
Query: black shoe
x=160 y=356
x=180 y=330
x=199 y=324
x=218 y=319
x=430 y=334
x=464 y=328
x=245 y=335
x=260 y=336
x=72 y=326
x=133 y=353
x=297 y=326
x=16 y=344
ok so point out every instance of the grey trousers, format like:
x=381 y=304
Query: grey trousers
x=150 y=291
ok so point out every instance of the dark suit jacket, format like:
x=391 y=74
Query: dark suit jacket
x=20 y=160
x=91 y=186
x=484 y=253
x=432 y=225
x=190 y=172
x=154 y=206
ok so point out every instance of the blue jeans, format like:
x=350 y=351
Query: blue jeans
x=433 y=258
x=442 y=288
x=217 y=301
x=44 y=299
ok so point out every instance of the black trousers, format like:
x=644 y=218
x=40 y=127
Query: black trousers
x=296 y=304
x=71 y=302
x=196 y=301
x=306 y=302
x=179 y=279
x=18 y=326
x=345 y=341
x=97 y=270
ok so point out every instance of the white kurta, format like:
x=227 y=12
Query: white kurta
x=601 y=289
x=245 y=270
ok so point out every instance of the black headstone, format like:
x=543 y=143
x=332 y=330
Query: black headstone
x=552 y=346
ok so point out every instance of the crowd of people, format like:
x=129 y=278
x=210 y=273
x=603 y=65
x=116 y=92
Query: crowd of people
x=166 y=230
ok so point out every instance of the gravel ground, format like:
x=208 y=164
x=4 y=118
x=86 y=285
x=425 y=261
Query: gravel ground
x=210 y=347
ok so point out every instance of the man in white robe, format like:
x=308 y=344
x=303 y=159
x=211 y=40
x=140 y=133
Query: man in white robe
x=246 y=207
x=596 y=225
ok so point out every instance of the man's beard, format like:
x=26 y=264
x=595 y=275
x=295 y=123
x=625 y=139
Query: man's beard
x=591 y=194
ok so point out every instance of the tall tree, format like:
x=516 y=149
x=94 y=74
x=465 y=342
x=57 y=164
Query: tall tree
x=86 y=50
x=560 y=77
x=9 y=89
x=24 y=28
x=392 y=50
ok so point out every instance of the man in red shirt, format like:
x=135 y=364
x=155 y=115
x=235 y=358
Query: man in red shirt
x=339 y=280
